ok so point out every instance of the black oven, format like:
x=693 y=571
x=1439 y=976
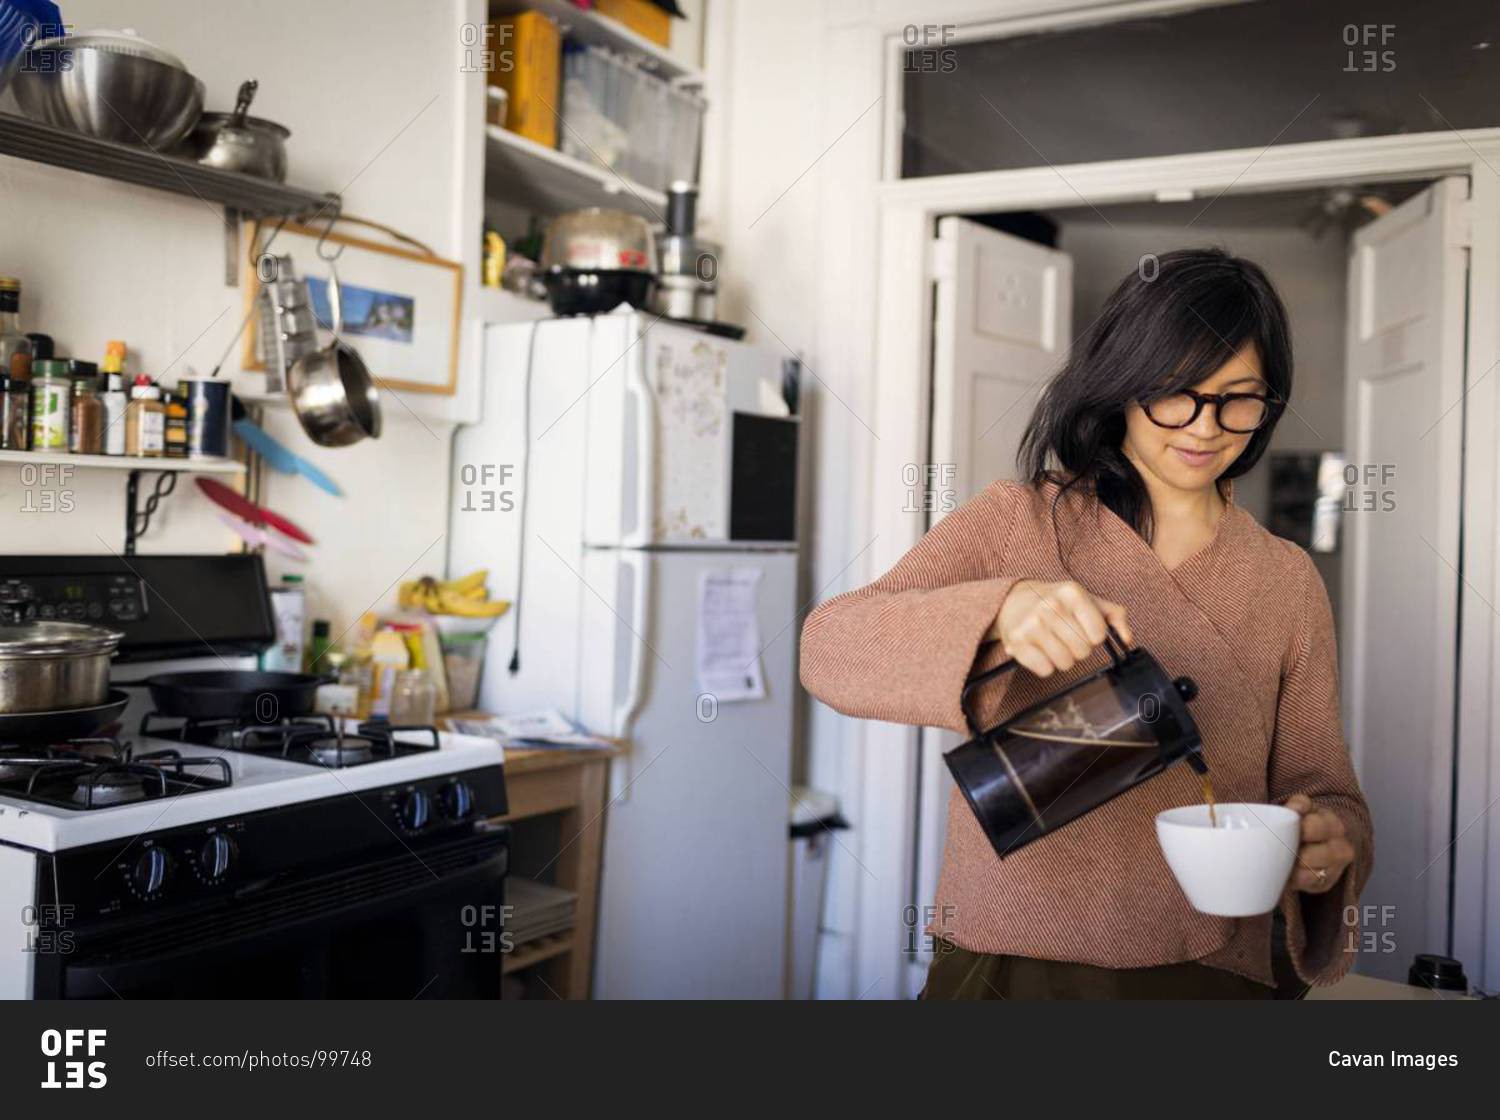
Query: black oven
x=339 y=898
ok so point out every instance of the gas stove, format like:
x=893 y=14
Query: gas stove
x=65 y=796
x=315 y=857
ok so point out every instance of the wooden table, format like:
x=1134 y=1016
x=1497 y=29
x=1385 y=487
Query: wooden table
x=573 y=784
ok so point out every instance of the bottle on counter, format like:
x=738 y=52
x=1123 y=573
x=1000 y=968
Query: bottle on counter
x=413 y=699
x=113 y=397
x=320 y=647
x=15 y=413
x=51 y=405
x=16 y=351
x=289 y=607
x=389 y=657
x=145 y=420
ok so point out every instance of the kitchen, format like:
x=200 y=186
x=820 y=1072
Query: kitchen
x=591 y=497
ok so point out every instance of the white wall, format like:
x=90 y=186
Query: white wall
x=377 y=108
x=1310 y=274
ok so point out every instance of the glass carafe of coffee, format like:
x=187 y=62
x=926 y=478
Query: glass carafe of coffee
x=1074 y=751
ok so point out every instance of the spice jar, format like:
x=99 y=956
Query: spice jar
x=145 y=420
x=414 y=699
x=15 y=413
x=175 y=431
x=86 y=419
x=51 y=395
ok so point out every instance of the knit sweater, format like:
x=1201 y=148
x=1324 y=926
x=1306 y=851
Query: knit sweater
x=1247 y=617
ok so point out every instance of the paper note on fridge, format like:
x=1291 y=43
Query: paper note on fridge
x=728 y=654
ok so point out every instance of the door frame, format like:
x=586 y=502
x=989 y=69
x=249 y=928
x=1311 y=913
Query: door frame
x=906 y=216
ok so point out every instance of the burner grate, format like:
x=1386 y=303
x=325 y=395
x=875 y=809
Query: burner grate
x=102 y=772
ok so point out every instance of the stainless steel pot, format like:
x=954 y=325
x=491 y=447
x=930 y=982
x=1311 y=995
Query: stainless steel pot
x=239 y=142
x=54 y=666
x=111 y=85
x=331 y=390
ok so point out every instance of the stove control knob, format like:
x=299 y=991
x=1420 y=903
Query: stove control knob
x=457 y=799
x=415 y=810
x=153 y=867
x=215 y=857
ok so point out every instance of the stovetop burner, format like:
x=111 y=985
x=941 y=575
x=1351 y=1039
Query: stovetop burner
x=317 y=740
x=98 y=773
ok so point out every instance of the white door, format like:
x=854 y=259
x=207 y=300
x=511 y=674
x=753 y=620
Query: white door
x=1408 y=281
x=1002 y=324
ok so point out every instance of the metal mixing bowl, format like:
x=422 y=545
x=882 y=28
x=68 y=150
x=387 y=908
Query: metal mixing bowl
x=107 y=94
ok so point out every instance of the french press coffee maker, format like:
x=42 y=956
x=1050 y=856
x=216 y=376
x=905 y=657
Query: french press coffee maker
x=1074 y=751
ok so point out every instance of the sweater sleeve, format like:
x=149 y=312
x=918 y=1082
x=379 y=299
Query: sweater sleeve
x=901 y=648
x=1309 y=756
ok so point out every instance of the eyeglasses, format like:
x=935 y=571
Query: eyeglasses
x=1239 y=413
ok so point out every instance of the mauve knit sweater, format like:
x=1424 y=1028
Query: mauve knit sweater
x=1246 y=617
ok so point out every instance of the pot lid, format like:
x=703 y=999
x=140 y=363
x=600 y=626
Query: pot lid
x=127 y=42
x=56 y=639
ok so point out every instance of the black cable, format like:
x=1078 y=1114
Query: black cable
x=515 y=652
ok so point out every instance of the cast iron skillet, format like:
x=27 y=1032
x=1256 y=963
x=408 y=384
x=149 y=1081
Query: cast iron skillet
x=234 y=694
x=70 y=723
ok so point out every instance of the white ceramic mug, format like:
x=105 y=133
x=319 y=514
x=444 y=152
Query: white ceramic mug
x=1238 y=869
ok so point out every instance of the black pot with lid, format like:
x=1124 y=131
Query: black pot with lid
x=595 y=259
x=1081 y=747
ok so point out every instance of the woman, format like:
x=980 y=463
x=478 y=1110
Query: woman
x=1127 y=520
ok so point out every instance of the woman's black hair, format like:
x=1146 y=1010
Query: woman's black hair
x=1167 y=326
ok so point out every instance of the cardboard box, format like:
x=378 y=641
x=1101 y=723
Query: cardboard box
x=528 y=66
x=645 y=19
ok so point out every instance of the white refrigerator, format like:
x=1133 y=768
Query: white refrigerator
x=632 y=487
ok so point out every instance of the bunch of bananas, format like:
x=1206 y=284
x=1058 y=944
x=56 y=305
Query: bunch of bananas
x=467 y=597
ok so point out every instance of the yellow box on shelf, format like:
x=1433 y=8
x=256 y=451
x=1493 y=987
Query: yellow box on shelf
x=528 y=66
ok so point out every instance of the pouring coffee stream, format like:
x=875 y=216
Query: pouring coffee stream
x=1078 y=749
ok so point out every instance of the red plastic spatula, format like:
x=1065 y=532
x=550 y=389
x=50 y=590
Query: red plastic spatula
x=242 y=507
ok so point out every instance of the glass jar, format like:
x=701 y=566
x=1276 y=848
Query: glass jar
x=51 y=397
x=15 y=413
x=358 y=673
x=86 y=423
x=413 y=700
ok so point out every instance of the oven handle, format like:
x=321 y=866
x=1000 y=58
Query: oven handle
x=84 y=980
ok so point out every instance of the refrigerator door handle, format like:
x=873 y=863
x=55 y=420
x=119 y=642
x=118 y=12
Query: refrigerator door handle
x=645 y=454
x=635 y=689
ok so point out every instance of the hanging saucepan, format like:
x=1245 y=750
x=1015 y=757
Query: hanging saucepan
x=331 y=390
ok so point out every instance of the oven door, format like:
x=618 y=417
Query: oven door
x=419 y=924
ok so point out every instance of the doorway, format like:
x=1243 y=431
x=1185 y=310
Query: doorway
x=1375 y=279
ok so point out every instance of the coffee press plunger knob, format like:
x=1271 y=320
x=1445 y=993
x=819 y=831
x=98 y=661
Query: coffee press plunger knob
x=1187 y=688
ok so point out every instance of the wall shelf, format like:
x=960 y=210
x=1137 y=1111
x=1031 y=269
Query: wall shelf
x=521 y=170
x=583 y=26
x=123 y=462
x=239 y=194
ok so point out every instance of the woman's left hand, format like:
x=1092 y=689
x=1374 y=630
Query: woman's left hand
x=1324 y=853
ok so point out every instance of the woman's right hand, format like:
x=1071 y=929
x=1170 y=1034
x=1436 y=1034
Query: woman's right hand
x=1050 y=627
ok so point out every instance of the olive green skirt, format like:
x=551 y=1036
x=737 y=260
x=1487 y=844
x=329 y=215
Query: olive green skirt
x=959 y=974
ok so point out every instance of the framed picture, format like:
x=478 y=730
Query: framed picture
x=401 y=307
